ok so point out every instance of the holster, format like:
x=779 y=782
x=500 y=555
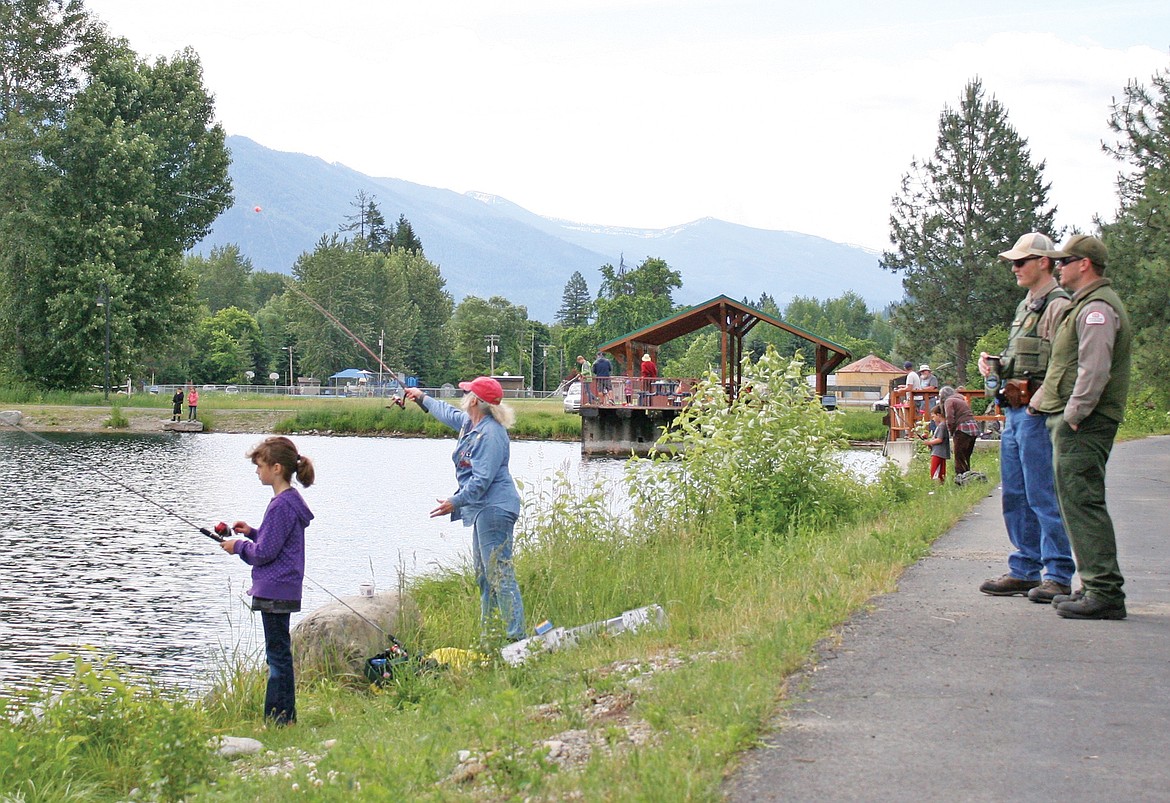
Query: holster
x=1017 y=392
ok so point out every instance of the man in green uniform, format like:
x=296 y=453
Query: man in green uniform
x=1084 y=394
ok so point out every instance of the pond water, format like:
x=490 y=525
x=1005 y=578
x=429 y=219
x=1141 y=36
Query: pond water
x=91 y=559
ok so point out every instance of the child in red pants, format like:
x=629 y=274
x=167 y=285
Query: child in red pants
x=940 y=446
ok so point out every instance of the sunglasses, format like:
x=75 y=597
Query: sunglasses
x=1019 y=263
x=1068 y=260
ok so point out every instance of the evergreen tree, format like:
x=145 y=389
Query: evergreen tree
x=427 y=354
x=635 y=298
x=358 y=288
x=576 y=306
x=1139 y=240
x=956 y=211
x=368 y=224
x=404 y=236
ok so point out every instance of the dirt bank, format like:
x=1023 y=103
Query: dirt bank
x=52 y=418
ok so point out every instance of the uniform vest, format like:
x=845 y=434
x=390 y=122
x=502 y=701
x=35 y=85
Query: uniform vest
x=1062 y=368
x=1027 y=354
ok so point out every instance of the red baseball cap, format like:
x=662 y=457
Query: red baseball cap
x=485 y=388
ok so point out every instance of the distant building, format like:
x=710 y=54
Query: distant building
x=866 y=380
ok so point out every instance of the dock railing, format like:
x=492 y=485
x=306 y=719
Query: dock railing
x=909 y=407
x=636 y=392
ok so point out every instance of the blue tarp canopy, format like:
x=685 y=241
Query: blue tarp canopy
x=352 y=373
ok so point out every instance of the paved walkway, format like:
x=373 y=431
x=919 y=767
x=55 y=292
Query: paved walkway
x=943 y=693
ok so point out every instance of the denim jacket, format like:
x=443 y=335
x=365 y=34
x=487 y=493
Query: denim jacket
x=481 y=463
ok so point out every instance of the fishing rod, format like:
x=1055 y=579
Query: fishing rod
x=400 y=401
x=220 y=533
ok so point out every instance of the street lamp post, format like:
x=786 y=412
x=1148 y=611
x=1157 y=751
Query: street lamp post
x=289 y=349
x=492 y=348
x=544 y=347
x=103 y=300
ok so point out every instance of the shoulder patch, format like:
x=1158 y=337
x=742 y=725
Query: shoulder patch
x=1095 y=318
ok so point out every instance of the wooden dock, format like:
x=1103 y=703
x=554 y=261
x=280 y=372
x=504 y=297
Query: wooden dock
x=183 y=426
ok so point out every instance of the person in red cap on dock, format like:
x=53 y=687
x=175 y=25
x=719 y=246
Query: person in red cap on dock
x=487 y=499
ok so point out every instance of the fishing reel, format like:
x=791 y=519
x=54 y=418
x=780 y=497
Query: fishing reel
x=382 y=667
x=222 y=532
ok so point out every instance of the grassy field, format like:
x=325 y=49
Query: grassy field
x=536 y=419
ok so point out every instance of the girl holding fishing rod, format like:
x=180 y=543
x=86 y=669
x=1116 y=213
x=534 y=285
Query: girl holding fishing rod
x=276 y=552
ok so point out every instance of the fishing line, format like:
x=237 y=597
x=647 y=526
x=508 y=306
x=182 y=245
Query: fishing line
x=333 y=319
x=11 y=418
x=329 y=316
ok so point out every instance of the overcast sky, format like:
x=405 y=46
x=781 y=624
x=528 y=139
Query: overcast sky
x=647 y=113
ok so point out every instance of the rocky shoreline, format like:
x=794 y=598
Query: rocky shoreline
x=62 y=418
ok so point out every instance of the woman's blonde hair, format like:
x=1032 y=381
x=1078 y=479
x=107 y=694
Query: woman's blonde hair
x=501 y=412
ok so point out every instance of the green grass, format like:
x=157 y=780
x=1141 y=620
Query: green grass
x=862 y=424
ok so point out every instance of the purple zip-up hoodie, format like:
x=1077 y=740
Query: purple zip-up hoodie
x=276 y=552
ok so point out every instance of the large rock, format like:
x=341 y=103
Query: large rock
x=334 y=640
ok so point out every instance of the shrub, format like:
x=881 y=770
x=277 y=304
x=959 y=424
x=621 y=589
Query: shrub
x=117 y=419
x=755 y=467
x=101 y=735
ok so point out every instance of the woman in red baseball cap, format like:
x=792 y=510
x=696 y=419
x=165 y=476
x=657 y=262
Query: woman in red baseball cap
x=487 y=499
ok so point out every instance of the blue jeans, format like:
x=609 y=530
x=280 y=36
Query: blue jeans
x=491 y=546
x=1030 y=507
x=280 y=699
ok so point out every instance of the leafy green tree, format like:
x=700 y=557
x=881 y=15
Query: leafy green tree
x=266 y=284
x=223 y=278
x=427 y=354
x=1139 y=239
x=109 y=176
x=228 y=343
x=631 y=299
x=955 y=211
x=357 y=288
x=846 y=320
x=701 y=356
x=274 y=320
x=761 y=337
x=576 y=305
x=47 y=46
x=468 y=331
x=994 y=341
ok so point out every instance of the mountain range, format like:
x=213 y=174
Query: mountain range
x=485 y=245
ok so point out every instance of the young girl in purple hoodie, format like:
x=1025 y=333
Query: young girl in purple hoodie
x=276 y=552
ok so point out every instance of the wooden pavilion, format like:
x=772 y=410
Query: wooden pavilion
x=625 y=412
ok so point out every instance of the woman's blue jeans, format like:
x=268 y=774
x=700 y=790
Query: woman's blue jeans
x=280 y=699
x=491 y=546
